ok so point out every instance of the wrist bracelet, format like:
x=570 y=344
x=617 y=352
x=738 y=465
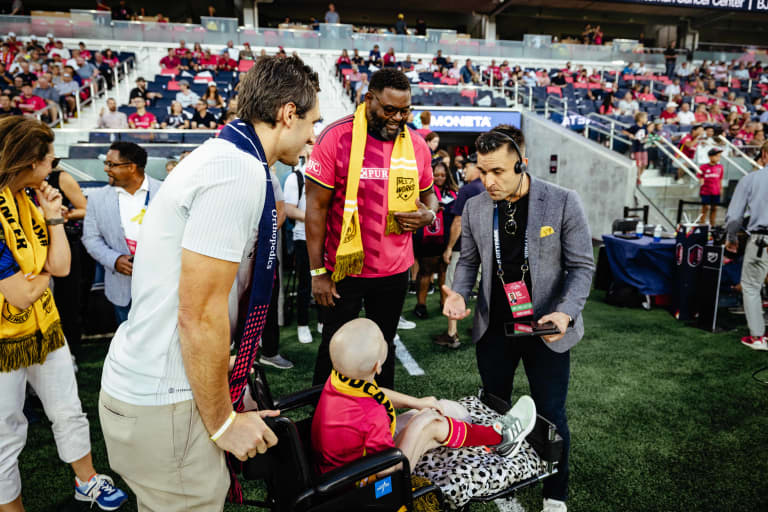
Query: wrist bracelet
x=434 y=216
x=215 y=437
x=55 y=221
x=318 y=271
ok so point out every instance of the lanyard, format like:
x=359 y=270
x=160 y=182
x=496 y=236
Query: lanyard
x=497 y=247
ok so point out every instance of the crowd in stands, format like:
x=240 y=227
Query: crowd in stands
x=43 y=78
x=194 y=89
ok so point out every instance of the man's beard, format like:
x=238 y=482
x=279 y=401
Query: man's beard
x=378 y=126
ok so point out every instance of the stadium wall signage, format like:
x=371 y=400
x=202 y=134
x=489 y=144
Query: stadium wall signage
x=731 y=5
x=469 y=120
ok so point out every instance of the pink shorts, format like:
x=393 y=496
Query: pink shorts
x=641 y=158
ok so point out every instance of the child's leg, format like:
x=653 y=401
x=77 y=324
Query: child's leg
x=421 y=434
x=712 y=215
x=704 y=210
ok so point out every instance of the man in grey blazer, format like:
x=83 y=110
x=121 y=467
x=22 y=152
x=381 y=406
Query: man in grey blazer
x=113 y=218
x=544 y=251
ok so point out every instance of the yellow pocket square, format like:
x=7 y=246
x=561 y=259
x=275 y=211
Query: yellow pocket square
x=546 y=231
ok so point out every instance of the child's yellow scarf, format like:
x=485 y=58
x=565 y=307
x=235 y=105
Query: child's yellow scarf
x=402 y=193
x=363 y=388
x=26 y=336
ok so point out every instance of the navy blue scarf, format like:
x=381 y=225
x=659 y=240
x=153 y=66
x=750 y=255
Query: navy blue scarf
x=244 y=137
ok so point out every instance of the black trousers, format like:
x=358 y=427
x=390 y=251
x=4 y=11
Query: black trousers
x=270 y=336
x=304 y=288
x=548 y=374
x=69 y=293
x=383 y=298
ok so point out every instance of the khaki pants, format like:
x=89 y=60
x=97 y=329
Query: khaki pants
x=753 y=272
x=165 y=456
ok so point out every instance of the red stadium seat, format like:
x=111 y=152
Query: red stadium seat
x=245 y=65
x=170 y=71
x=701 y=99
x=581 y=85
x=173 y=85
x=553 y=89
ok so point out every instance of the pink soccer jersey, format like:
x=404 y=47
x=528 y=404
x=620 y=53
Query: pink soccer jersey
x=385 y=255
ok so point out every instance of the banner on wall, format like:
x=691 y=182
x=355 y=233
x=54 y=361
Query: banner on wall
x=729 y=5
x=465 y=120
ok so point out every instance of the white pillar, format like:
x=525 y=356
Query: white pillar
x=489 y=27
x=251 y=13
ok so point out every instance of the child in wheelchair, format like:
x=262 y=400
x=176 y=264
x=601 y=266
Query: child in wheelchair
x=355 y=417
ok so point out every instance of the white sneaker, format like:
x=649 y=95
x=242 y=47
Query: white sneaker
x=405 y=324
x=319 y=328
x=305 y=335
x=554 y=506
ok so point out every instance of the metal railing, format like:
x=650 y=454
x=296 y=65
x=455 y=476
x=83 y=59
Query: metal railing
x=684 y=163
x=738 y=151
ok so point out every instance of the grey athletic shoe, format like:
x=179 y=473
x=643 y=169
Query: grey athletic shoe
x=515 y=425
x=276 y=361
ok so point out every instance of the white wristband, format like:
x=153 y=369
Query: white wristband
x=434 y=216
x=215 y=437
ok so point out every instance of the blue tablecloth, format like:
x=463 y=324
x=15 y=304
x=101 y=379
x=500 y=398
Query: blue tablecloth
x=642 y=263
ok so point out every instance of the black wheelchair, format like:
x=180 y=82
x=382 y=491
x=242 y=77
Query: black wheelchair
x=293 y=485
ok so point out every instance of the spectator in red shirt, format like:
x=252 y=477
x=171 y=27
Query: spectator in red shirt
x=182 y=49
x=343 y=58
x=711 y=180
x=226 y=63
x=141 y=119
x=197 y=51
x=607 y=107
x=669 y=115
x=6 y=55
x=688 y=146
x=170 y=61
x=389 y=58
x=28 y=102
x=646 y=95
x=84 y=53
x=208 y=61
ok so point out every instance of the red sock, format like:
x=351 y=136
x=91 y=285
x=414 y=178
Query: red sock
x=469 y=434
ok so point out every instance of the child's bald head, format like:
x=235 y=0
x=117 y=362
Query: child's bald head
x=358 y=349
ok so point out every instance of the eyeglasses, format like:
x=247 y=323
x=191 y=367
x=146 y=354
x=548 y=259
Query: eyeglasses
x=110 y=165
x=390 y=110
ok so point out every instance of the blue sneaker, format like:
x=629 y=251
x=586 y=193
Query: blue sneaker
x=100 y=489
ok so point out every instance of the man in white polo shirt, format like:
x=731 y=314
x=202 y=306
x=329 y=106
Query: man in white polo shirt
x=165 y=404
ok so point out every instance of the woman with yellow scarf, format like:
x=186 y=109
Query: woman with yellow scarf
x=33 y=248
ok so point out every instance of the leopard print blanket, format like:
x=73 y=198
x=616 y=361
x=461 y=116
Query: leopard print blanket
x=465 y=473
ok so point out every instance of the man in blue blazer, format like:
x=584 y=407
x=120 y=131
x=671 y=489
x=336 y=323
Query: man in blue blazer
x=533 y=242
x=113 y=218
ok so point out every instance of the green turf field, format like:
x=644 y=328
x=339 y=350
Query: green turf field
x=663 y=417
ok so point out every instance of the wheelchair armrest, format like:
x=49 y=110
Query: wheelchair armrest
x=359 y=469
x=299 y=399
x=545 y=440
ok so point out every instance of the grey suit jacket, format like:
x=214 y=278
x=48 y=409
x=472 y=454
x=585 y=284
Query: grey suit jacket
x=561 y=263
x=104 y=238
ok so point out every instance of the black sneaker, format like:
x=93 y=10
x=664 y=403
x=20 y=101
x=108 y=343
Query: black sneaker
x=276 y=361
x=446 y=340
x=420 y=310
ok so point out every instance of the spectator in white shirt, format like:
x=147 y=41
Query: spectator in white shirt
x=683 y=70
x=60 y=51
x=673 y=89
x=685 y=116
x=111 y=118
x=186 y=96
x=742 y=73
x=628 y=105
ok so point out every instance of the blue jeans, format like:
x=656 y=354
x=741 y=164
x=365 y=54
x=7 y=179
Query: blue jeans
x=548 y=374
x=121 y=313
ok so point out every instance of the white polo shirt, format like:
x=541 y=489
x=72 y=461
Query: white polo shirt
x=210 y=204
x=292 y=197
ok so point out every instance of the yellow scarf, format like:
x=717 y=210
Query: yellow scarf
x=362 y=388
x=26 y=336
x=401 y=197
